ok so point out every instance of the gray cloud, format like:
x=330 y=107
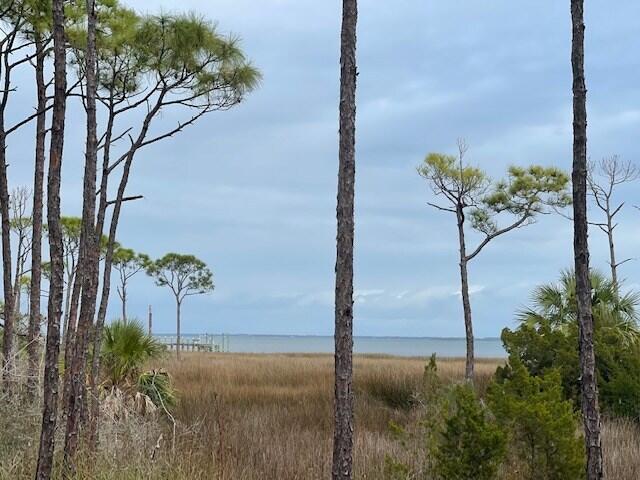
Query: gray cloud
x=252 y=191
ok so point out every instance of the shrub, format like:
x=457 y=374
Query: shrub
x=471 y=446
x=156 y=384
x=547 y=339
x=541 y=424
x=125 y=349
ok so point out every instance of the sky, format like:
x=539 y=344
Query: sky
x=252 y=191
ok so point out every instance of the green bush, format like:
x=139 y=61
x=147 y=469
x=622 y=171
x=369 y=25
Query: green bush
x=471 y=446
x=156 y=384
x=125 y=349
x=547 y=339
x=542 y=425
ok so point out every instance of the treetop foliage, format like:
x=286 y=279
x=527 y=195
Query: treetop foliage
x=524 y=193
x=184 y=274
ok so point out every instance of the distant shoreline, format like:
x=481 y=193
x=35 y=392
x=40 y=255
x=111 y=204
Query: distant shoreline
x=297 y=335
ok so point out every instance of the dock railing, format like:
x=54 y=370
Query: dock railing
x=205 y=342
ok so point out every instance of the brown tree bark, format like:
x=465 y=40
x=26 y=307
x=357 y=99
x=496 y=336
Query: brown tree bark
x=70 y=329
x=342 y=467
x=89 y=237
x=466 y=301
x=50 y=398
x=177 y=328
x=36 y=248
x=5 y=228
x=96 y=339
x=590 y=410
x=8 y=314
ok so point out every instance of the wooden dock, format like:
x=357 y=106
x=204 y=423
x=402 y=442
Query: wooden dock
x=199 y=343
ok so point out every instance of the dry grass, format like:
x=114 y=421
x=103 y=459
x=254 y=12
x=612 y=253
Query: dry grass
x=275 y=411
x=250 y=417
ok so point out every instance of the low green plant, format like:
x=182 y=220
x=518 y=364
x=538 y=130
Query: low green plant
x=472 y=446
x=156 y=384
x=541 y=424
x=125 y=349
x=547 y=339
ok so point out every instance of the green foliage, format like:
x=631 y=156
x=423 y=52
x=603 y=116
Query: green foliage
x=541 y=424
x=125 y=349
x=128 y=262
x=448 y=174
x=184 y=274
x=471 y=445
x=156 y=384
x=547 y=339
x=188 y=47
x=396 y=470
x=524 y=193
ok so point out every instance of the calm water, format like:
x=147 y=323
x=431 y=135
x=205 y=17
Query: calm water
x=404 y=346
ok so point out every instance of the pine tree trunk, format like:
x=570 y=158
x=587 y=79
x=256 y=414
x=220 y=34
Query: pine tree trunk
x=124 y=303
x=106 y=278
x=89 y=238
x=36 y=245
x=466 y=301
x=342 y=467
x=590 y=410
x=178 y=328
x=70 y=331
x=612 y=251
x=7 y=338
x=50 y=399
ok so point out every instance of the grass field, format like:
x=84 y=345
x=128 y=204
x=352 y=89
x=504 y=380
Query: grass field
x=258 y=417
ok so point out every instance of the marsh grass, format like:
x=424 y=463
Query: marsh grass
x=250 y=417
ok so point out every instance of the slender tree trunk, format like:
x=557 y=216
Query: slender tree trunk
x=36 y=246
x=16 y=281
x=178 y=305
x=590 y=410
x=67 y=303
x=612 y=251
x=466 y=301
x=124 y=302
x=50 y=400
x=342 y=467
x=7 y=339
x=106 y=277
x=92 y=254
x=70 y=331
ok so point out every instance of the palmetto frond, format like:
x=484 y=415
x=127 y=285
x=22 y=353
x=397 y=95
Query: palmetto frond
x=555 y=304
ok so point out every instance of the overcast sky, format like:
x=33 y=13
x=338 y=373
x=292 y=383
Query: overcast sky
x=252 y=191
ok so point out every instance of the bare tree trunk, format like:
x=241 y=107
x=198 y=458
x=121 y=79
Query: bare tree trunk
x=70 y=331
x=124 y=302
x=342 y=467
x=92 y=254
x=466 y=302
x=50 y=399
x=7 y=339
x=36 y=247
x=612 y=251
x=67 y=302
x=16 y=281
x=590 y=410
x=178 y=328
x=106 y=278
